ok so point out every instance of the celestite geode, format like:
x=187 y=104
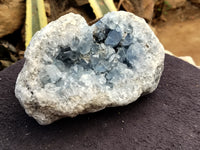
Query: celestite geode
x=72 y=68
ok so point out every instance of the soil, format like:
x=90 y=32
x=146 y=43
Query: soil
x=166 y=119
x=178 y=30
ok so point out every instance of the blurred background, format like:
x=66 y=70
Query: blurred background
x=175 y=22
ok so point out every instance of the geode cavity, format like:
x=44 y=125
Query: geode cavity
x=72 y=68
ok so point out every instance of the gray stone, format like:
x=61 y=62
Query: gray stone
x=72 y=68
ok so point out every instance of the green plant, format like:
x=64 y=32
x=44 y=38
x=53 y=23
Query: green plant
x=35 y=18
x=101 y=7
x=163 y=7
x=168 y=6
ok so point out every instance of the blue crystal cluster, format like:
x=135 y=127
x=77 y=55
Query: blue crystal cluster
x=107 y=49
x=101 y=54
x=72 y=68
x=110 y=46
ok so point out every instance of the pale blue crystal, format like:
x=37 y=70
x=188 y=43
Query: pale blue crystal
x=94 y=60
x=100 y=68
x=127 y=41
x=52 y=74
x=122 y=53
x=113 y=38
x=134 y=52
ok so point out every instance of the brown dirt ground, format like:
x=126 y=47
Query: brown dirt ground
x=180 y=33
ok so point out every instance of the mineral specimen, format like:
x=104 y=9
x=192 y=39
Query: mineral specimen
x=72 y=68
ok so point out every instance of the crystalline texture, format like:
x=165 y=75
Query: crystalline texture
x=127 y=41
x=113 y=38
x=72 y=68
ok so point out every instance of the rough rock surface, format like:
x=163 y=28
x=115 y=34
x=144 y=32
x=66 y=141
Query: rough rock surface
x=142 y=8
x=72 y=68
x=176 y=3
x=195 y=1
x=12 y=13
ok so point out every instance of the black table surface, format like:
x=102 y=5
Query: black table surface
x=168 y=118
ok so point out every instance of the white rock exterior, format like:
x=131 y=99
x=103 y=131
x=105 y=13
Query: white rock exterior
x=72 y=68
